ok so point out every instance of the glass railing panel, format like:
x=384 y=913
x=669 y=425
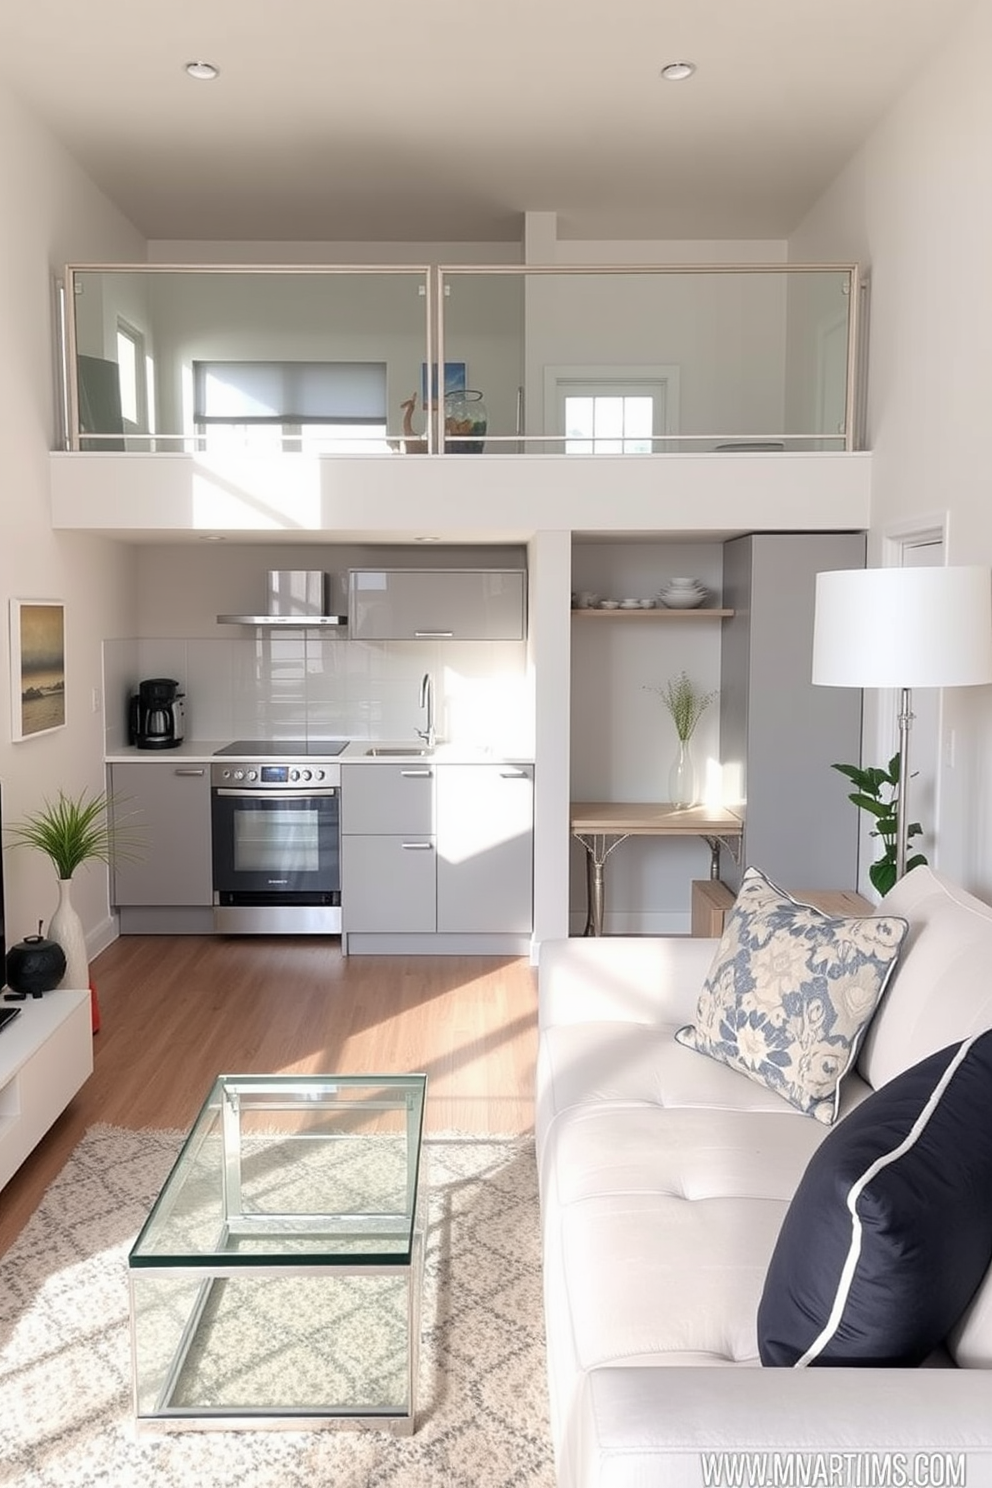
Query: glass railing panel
x=648 y=361
x=247 y=360
x=573 y=361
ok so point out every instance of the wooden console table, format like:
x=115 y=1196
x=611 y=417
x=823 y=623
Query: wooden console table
x=602 y=825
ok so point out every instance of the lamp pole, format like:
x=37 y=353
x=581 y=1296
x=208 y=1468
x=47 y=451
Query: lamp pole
x=902 y=799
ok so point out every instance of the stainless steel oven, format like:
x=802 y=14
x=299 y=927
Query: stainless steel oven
x=276 y=835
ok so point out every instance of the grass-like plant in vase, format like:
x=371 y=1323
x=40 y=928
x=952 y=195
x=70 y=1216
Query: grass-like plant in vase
x=877 y=792
x=686 y=704
x=71 y=831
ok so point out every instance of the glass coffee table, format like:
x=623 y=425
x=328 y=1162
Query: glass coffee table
x=277 y=1279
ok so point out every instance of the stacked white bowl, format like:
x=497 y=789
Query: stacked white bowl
x=683 y=594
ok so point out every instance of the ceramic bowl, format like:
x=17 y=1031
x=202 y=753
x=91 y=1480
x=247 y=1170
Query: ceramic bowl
x=683 y=583
x=609 y=604
x=682 y=599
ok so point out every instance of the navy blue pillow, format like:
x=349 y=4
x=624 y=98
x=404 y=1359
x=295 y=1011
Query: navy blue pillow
x=890 y=1230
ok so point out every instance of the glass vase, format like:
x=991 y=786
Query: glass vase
x=465 y=422
x=66 y=928
x=682 y=778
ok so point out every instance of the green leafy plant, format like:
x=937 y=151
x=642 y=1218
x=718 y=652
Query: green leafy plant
x=877 y=792
x=684 y=703
x=75 y=830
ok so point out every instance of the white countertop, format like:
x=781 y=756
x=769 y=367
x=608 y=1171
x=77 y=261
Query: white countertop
x=203 y=751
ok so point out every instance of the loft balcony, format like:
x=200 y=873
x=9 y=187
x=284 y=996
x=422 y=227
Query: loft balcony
x=306 y=399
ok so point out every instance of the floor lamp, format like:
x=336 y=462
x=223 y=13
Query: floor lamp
x=903 y=628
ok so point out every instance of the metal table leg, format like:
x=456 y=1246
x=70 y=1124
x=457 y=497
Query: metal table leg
x=598 y=846
x=733 y=846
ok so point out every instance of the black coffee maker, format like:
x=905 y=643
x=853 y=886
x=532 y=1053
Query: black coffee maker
x=156 y=715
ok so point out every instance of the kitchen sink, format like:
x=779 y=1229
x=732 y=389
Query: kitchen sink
x=397 y=751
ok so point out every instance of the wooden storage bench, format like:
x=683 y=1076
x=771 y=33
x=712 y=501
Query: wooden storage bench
x=711 y=898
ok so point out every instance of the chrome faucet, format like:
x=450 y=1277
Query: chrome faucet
x=428 y=734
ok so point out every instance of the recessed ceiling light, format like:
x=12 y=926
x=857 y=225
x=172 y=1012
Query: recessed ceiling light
x=427 y=539
x=202 y=71
x=677 y=72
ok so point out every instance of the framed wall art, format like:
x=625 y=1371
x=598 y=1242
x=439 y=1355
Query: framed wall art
x=37 y=667
x=454 y=381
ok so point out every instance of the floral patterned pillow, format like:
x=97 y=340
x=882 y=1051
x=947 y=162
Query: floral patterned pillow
x=790 y=993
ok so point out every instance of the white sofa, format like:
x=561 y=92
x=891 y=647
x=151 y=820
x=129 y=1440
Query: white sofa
x=665 y=1178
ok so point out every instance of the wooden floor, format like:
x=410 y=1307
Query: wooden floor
x=176 y=1011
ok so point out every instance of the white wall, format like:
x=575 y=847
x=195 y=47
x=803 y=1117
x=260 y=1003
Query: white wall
x=51 y=215
x=914 y=206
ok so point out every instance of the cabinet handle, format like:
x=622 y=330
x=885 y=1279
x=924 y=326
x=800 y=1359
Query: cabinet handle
x=433 y=635
x=416 y=774
x=417 y=846
x=513 y=775
x=189 y=770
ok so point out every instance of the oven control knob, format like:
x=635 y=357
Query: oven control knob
x=318 y=774
x=239 y=774
x=294 y=774
x=307 y=775
x=252 y=774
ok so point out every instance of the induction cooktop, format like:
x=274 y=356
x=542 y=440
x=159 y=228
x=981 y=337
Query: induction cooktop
x=288 y=748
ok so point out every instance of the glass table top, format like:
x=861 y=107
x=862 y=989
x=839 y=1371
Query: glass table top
x=285 y=1169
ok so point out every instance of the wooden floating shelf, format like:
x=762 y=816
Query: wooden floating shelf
x=621 y=614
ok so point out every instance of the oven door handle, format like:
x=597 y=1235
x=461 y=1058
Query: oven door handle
x=277 y=795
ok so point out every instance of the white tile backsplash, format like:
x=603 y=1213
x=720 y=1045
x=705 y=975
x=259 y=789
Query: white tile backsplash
x=293 y=683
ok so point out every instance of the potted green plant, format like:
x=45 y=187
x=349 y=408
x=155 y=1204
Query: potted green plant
x=877 y=792
x=686 y=704
x=73 y=830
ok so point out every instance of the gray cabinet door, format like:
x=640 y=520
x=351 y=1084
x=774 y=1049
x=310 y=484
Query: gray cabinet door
x=388 y=884
x=170 y=803
x=382 y=799
x=781 y=732
x=455 y=604
x=485 y=848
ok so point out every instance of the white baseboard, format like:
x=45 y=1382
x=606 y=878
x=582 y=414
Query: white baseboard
x=634 y=922
x=104 y=935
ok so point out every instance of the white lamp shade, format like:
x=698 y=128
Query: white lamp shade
x=903 y=627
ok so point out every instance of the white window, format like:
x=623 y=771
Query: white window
x=131 y=372
x=280 y=407
x=612 y=410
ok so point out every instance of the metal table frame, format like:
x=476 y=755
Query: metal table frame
x=221 y=1114
x=601 y=826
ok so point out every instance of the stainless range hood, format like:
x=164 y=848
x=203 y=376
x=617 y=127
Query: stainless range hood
x=296 y=597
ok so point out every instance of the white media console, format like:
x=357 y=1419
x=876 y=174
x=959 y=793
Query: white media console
x=45 y=1056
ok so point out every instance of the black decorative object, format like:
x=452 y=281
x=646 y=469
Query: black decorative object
x=35 y=965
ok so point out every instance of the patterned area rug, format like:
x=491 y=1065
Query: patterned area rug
x=65 y=1367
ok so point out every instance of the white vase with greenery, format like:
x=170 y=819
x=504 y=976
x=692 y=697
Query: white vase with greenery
x=686 y=704
x=72 y=831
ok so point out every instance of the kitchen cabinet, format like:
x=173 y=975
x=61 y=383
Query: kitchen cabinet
x=388 y=880
x=441 y=854
x=436 y=604
x=779 y=730
x=485 y=848
x=170 y=803
x=389 y=884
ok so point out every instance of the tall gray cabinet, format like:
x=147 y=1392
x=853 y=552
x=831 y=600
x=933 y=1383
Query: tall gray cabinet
x=779 y=734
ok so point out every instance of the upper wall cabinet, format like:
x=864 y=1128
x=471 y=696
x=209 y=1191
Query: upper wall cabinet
x=398 y=604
